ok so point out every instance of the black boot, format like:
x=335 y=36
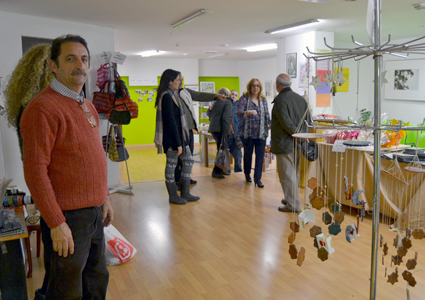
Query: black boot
x=185 y=195
x=172 y=192
x=248 y=178
x=258 y=183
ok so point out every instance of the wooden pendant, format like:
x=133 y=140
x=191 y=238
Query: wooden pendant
x=294 y=227
x=322 y=254
x=334 y=229
x=408 y=233
x=291 y=238
x=327 y=218
x=315 y=230
x=418 y=234
x=396 y=259
x=396 y=241
x=301 y=256
x=407 y=243
x=293 y=251
x=381 y=240
x=315 y=244
x=409 y=278
x=312 y=183
x=334 y=208
x=339 y=217
x=317 y=202
x=411 y=264
x=393 y=278
x=402 y=252
x=385 y=249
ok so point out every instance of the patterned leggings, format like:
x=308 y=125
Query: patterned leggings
x=172 y=158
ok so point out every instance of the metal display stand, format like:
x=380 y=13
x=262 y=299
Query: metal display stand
x=124 y=190
x=363 y=51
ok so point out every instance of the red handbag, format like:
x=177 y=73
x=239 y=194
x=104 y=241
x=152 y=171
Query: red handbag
x=125 y=103
x=103 y=99
x=102 y=75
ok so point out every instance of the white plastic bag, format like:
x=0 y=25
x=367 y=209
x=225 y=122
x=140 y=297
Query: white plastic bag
x=118 y=249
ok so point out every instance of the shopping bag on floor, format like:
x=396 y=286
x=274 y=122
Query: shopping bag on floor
x=118 y=249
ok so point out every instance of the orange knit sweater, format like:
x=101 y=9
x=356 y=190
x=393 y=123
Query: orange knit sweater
x=64 y=163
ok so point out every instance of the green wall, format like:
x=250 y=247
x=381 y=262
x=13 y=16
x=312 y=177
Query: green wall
x=141 y=130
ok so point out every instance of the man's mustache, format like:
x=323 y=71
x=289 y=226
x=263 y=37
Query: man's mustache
x=79 y=72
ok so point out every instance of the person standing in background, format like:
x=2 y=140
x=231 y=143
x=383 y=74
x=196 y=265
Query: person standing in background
x=287 y=114
x=172 y=136
x=254 y=122
x=220 y=120
x=31 y=76
x=234 y=150
x=66 y=172
x=188 y=96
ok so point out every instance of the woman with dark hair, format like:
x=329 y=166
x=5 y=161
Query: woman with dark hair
x=253 y=113
x=172 y=136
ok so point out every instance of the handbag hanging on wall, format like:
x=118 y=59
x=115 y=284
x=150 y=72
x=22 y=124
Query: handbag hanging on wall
x=117 y=153
x=124 y=109
x=103 y=99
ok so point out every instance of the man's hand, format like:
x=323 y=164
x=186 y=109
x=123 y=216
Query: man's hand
x=63 y=242
x=107 y=212
x=179 y=150
x=220 y=97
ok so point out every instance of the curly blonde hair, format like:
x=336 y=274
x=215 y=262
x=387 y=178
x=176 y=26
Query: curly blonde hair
x=31 y=76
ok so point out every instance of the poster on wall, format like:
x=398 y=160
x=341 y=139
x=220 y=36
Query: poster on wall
x=291 y=64
x=268 y=88
x=405 y=80
x=207 y=87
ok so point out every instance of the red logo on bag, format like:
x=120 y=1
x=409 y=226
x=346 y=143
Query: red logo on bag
x=122 y=250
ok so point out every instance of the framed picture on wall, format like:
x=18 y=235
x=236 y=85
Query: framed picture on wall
x=268 y=88
x=193 y=87
x=207 y=87
x=405 y=79
x=291 y=64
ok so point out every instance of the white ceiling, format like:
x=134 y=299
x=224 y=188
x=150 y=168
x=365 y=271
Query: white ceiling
x=146 y=24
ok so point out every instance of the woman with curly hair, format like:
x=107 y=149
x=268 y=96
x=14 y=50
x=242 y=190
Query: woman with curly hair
x=254 y=125
x=31 y=76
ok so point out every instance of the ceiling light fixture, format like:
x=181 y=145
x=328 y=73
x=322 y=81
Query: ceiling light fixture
x=261 y=47
x=151 y=53
x=280 y=29
x=217 y=55
x=419 y=6
x=193 y=16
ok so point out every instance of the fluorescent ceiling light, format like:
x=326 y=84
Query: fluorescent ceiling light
x=280 y=29
x=193 y=16
x=151 y=53
x=217 y=55
x=261 y=47
x=419 y=6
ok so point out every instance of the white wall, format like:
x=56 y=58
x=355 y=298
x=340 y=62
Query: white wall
x=14 y=26
x=137 y=66
x=363 y=96
x=218 y=68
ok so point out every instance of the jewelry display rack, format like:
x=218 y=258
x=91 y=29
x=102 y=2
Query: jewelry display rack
x=416 y=46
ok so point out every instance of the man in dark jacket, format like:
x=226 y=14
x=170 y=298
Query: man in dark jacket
x=287 y=114
x=220 y=119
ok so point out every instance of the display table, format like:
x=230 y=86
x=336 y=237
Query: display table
x=204 y=146
x=398 y=188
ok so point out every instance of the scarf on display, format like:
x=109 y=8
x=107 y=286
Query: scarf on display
x=263 y=124
x=159 y=128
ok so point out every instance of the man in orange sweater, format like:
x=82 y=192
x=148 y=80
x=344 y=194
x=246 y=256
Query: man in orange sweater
x=66 y=172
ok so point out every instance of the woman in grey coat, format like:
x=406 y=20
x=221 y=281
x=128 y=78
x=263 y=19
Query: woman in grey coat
x=220 y=119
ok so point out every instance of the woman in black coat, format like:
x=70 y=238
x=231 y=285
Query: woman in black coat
x=172 y=135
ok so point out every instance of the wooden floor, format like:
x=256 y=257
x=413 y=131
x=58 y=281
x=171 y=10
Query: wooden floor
x=233 y=244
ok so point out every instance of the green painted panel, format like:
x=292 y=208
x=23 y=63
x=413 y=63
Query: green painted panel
x=141 y=130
